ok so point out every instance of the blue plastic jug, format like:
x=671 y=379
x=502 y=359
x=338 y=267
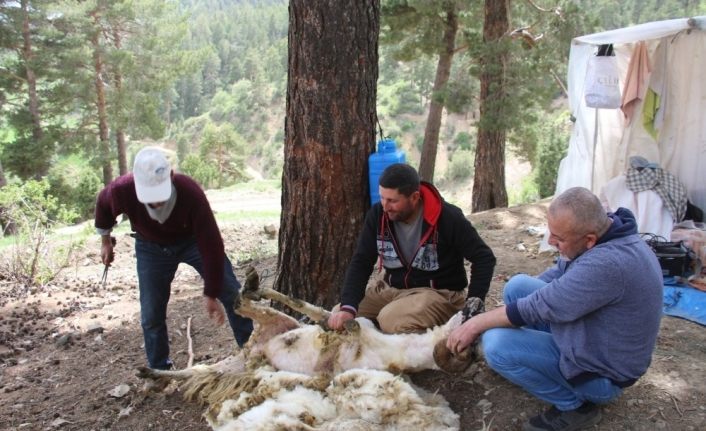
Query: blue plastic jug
x=386 y=155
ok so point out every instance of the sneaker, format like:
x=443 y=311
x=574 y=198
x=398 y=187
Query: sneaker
x=554 y=419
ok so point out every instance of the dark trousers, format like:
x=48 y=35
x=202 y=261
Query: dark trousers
x=156 y=266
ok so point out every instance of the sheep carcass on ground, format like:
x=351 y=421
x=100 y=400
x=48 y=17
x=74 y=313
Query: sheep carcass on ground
x=303 y=376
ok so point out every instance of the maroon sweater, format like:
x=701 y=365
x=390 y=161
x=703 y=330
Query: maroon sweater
x=191 y=218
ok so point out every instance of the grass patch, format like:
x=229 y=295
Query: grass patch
x=264 y=185
x=248 y=215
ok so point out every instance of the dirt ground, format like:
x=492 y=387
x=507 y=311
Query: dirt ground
x=68 y=351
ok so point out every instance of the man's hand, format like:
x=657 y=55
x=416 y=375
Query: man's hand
x=107 y=244
x=462 y=337
x=214 y=310
x=466 y=334
x=337 y=319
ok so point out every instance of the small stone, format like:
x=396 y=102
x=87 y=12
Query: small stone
x=94 y=328
x=63 y=340
x=270 y=230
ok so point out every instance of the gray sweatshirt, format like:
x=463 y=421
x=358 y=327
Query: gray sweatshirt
x=603 y=307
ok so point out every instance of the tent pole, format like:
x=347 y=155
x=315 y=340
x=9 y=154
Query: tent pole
x=595 y=140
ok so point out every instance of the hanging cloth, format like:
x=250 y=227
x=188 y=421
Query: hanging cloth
x=643 y=175
x=635 y=80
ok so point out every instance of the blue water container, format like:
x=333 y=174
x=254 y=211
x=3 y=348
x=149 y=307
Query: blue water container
x=386 y=155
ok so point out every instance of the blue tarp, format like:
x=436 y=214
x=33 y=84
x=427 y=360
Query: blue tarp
x=683 y=301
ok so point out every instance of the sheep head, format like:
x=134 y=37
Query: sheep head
x=458 y=363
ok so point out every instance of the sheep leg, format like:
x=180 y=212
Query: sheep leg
x=449 y=362
x=317 y=314
x=151 y=373
x=230 y=365
x=270 y=321
x=252 y=290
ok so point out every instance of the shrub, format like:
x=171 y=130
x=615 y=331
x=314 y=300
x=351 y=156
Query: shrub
x=202 y=171
x=461 y=165
x=551 y=150
x=528 y=192
x=75 y=183
x=465 y=141
x=34 y=260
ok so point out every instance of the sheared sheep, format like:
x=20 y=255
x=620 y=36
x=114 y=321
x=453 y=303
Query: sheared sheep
x=343 y=380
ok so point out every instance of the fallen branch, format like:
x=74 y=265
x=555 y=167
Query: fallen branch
x=190 y=348
x=676 y=406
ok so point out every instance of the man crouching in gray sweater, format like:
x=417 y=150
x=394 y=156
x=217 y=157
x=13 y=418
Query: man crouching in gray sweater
x=585 y=329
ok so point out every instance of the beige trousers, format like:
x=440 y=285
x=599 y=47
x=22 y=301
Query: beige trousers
x=409 y=310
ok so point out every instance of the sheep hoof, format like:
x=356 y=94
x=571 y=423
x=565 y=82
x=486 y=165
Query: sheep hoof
x=451 y=363
x=251 y=286
x=351 y=326
x=145 y=373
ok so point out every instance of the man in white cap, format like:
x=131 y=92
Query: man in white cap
x=172 y=223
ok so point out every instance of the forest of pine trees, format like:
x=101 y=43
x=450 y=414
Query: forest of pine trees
x=83 y=85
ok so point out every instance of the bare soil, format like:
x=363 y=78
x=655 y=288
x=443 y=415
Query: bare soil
x=66 y=348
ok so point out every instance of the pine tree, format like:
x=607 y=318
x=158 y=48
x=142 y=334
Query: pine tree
x=329 y=134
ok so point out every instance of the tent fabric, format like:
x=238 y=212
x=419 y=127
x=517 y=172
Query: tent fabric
x=602 y=142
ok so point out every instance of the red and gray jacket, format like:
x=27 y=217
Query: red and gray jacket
x=447 y=239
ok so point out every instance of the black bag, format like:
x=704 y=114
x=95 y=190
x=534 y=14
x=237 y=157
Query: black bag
x=675 y=258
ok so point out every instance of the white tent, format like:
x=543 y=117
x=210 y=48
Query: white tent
x=602 y=141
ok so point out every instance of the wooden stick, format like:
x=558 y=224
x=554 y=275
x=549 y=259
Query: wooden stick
x=676 y=406
x=190 y=348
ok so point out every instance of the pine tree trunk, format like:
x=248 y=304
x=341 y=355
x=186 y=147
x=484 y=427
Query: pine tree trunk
x=489 y=180
x=7 y=226
x=122 y=151
x=32 y=98
x=120 y=132
x=443 y=71
x=104 y=144
x=329 y=134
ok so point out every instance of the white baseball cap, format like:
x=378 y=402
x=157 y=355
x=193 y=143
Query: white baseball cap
x=152 y=176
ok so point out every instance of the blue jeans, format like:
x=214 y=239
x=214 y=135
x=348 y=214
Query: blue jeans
x=529 y=358
x=156 y=266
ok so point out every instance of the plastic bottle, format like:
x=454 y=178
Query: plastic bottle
x=386 y=155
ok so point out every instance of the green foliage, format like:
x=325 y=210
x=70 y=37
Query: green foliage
x=461 y=165
x=74 y=181
x=29 y=203
x=398 y=98
x=189 y=65
x=465 y=141
x=612 y=14
x=32 y=211
x=200 y=170
x=527 y=193
x=552 y=148
x=224 y=150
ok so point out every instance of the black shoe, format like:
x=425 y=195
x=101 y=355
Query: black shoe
x=554 y=419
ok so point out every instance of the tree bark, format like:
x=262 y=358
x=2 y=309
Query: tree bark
x=7 y=226
x=489 y=180
x=32 y=98
x=120 y=131
x=443 y=71
x=329 y=134
x=104 y=144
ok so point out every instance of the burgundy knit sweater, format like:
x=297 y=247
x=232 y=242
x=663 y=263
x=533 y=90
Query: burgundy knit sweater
x=191 y=217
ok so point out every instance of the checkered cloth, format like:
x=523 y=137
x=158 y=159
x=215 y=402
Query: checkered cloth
x=666 y=185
